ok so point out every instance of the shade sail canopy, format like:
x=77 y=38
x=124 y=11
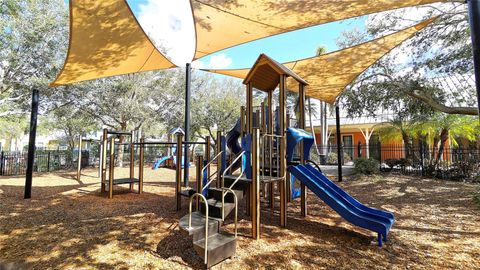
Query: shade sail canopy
x=329 y=74
x=106 y=40
x=265 y=74
x=223 y=24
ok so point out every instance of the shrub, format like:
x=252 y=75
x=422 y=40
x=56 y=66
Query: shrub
x=405 y=162
x=332 y=158
x=366 y=166
x=392 y=162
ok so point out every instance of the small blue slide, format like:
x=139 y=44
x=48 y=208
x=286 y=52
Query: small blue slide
x=344 y=204
x=160 y=161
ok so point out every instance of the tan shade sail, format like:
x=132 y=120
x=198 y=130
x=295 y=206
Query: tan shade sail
x=329 y=74
x=223 y=24
x=106 y=40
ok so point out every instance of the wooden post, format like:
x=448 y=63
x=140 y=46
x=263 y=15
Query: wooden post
x=303 y=195
x=219 y=160
x=207 y=153
x=140 y=166
x=288 y=180
x=178 y=172
x=270 y=124
x=283 y=166
x=249 y=109
x=242 y=121
x=132 y=159
x=104 y=159
x=255 y=186
x=199 y=184
x=112 y=167
x=79 y=165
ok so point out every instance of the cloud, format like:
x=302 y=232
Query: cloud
x=217 y=61
x=170 y=25
x=220 y=61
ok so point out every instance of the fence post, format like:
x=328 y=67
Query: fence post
x=48 y=161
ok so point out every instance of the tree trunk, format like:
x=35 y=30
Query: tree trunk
x=443 y=140
x=407 y=145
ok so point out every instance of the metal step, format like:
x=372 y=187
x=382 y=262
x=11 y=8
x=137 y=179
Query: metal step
x=216 y=193
x=197 y=231
x=215 y=208
x=220 y=247
x=242 y=183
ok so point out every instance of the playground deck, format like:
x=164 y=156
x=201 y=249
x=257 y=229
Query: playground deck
x=69 y=225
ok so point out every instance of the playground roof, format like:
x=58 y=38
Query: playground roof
x=223 y=24
x=265 y=74
x=329 y=74
x=106 y=40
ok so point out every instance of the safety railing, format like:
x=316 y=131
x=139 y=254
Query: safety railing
x=240 y=155
x=267 y=146
x=225 y=191
x=206 y=220
x=213 y=174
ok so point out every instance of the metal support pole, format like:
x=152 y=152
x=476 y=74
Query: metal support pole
x=188 y=73
x=339 y=144
x=79 y=167
x=474 y=16
x=207 y=153
x=31 y=144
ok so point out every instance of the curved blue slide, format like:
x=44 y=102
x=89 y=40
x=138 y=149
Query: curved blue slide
x=160 y=161
x=344 y=204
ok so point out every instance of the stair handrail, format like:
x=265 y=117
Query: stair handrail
x=225 y=191
x=262 y=149
x=231 y=164
x=314 y=164
x=206 y=166
x=203 y=199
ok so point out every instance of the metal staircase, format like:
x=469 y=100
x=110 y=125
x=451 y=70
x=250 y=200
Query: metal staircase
x=204 y=226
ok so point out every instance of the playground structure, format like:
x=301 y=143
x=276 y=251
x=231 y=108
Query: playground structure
x=169 y=159
x=266 y=157
x=111 y=139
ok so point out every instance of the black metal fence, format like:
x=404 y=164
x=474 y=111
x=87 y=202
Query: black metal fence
x=452 y=163
x=15 y=163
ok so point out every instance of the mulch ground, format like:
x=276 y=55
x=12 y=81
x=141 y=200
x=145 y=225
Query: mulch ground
x=69 y=225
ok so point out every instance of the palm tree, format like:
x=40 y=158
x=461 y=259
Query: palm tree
x=443 y=128
x=395 y=130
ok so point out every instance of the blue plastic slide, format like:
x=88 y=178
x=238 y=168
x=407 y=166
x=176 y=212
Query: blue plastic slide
x=344 y=204
x=160 y=161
